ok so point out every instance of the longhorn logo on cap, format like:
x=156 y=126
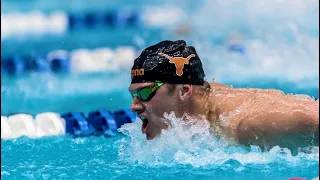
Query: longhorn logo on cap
x=179 y=62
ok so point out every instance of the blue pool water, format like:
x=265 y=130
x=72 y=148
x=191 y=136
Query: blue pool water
x=281 y=42
x=133 y=157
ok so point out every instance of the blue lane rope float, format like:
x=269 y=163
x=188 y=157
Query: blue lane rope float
x=36 y=63
x=123 y=117
x=12 y=65
x=76 y=124
x=103 y=122
x=58 y=61
x=78 y=60
x=99 y=122
x=96 y=123
x=239 y=48
x=90 y=20
x=62 y=22
x=29 y=24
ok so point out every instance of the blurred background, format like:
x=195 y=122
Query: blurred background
x=76 y=55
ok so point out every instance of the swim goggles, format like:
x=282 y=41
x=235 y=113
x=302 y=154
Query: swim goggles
x=146 y=93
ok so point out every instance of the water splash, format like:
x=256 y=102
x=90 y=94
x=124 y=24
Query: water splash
x=195 y=145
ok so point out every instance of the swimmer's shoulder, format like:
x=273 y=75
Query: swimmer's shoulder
x=220 y=86
x=222 y=89
x=216 y=85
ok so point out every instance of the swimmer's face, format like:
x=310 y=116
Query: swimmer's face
x=151 y=111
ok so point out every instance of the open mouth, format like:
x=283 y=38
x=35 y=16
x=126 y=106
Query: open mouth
x=144 y=125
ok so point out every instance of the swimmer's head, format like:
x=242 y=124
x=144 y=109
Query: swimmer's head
x=164 y=79
x=169 y=62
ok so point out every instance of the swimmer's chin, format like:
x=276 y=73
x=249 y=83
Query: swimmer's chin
x=150 y=137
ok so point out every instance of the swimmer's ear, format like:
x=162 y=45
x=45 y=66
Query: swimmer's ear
x=186 y=92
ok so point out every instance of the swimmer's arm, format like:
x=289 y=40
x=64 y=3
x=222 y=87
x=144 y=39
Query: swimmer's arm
x=268 y=119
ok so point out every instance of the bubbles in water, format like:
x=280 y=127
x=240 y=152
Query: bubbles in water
x=191 y=142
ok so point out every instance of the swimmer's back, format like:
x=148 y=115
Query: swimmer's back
x=227 y=89
x=228 y=99
x=270 y=113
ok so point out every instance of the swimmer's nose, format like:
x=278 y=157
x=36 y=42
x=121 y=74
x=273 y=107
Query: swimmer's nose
x=136 y=105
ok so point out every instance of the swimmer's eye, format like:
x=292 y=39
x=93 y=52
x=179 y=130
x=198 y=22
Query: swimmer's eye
x=146 y=93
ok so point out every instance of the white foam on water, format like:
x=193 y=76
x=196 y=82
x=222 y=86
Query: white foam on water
x=196 y=145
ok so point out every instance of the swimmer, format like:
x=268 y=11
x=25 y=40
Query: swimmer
x=168 y=76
